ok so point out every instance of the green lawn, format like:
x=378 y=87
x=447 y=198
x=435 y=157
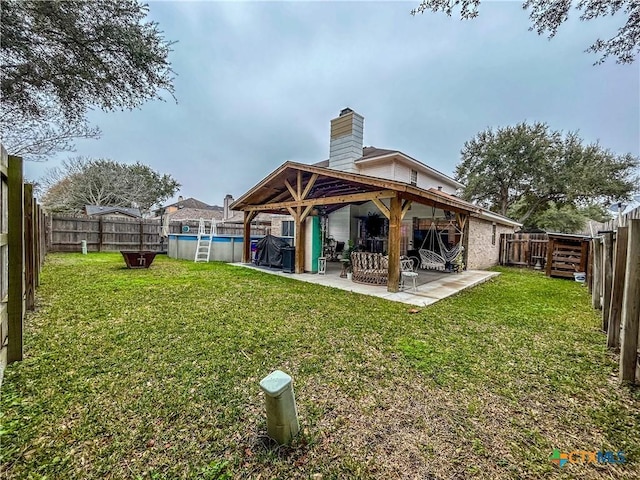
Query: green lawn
x=154 y=374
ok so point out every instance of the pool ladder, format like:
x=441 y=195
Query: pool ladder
x=203 y=248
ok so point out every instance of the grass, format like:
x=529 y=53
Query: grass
x=154 y=374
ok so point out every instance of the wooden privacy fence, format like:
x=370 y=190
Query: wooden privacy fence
x=614 y=283
x=22 y=251
x=559 y=255
x=523 y=249
x=111 y=234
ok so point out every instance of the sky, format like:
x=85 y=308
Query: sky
x=257 y=84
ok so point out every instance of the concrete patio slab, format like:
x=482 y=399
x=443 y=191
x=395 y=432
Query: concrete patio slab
x=431 y=286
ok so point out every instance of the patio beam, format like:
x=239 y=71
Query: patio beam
x=406 y=205
x=294 y=194
x=340 y=199
x=434 y=203
x=382 y=207
x=395 y=222
x=309 y=186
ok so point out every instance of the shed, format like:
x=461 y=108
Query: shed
x=567 y=254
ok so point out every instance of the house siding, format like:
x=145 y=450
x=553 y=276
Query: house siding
x=340 y=225
x=380 y=170
x=481 y=253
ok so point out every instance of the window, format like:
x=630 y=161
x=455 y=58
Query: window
x=493 y=234
x=287 y=228
x=414 y=177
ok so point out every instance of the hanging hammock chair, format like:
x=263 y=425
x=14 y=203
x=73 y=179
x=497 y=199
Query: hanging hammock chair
x=438 y=260
x=450 y=254
x=429 y=258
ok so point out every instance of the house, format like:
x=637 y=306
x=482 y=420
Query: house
x=188 y=209
x=111 y=212
x=381 y=200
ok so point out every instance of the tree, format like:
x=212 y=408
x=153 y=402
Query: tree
x=84 y=181
x=61 y=58
x=38 y=139
x=524 y=170
x=548 y=15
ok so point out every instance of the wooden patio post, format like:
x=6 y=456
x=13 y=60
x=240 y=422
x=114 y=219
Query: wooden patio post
x=246 y=236
x=395 y=221
x=299 y=232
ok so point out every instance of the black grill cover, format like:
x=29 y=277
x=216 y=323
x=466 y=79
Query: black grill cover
x=269 y=251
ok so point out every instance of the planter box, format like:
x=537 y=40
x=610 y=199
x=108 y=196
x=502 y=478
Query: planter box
x=138 y=259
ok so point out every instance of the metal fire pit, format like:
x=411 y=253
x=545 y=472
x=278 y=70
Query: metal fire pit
x=138 y=259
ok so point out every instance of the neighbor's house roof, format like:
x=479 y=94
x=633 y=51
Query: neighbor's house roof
x=97 y=210
x=373 y=154
x=193 y=203
x=195 y=214
x=333 y=189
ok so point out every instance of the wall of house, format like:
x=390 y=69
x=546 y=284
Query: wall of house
x=378 y=169
x=276 y=224
x=340 y=225
x=400 y=171
x=482 y=251
x=425 y=180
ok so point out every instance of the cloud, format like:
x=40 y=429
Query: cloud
x=259 y=82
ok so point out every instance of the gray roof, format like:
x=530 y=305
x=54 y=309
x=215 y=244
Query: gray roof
x=99 y=210
x=193 y=203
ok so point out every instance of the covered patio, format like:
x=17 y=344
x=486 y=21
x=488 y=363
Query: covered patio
x=303 y=190
x=432 y=286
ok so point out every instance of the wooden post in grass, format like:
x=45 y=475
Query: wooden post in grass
x=607 y=276
x=597 y=273
x=617 y=288
x=631 y=306
x=15 y=305
x=29 y=247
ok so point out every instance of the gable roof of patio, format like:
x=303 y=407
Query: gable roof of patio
x=295 y=185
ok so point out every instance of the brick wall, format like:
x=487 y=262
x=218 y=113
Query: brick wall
x=482 y=252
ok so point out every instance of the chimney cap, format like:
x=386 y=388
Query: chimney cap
x=345 y=111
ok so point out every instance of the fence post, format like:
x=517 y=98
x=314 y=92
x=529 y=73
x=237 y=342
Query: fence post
x=617 y=288
x=100 y=227
x=28 y=247
x=597 y=274
x=631 y=306
x=141 y=235
x=15 y=306
x=607 y=253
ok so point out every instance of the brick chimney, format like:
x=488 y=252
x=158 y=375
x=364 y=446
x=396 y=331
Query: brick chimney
x=226 y=211
x=346 y=141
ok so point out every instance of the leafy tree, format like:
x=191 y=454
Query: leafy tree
x=524 y=170
x=568 y=218
x=61 y=58
x=84 y=181
x=548 y=15
x=38 y=139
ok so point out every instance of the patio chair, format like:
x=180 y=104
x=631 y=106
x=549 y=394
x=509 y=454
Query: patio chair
x=408 y=271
